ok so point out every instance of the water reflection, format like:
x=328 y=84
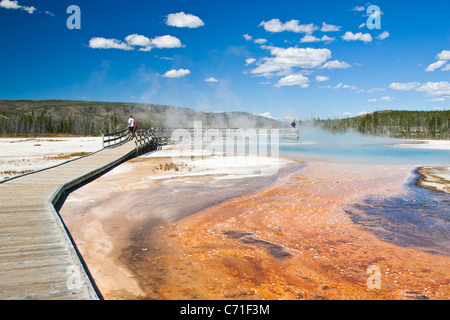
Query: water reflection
x=354 y=147
x=419 y=218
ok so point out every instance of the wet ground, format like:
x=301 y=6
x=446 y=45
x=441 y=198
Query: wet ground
x=213 y=238
x=419 y=218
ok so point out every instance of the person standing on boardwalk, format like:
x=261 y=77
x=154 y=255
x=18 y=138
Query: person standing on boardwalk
x=131 y=126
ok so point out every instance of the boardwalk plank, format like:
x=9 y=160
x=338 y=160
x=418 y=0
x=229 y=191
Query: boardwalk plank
x=35 y=250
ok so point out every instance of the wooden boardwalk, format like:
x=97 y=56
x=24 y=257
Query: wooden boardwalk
x=37 y=257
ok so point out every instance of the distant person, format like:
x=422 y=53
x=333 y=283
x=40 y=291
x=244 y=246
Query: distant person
x=293 y=124
x=134 y=128
x=271 y=125
x=131 y=127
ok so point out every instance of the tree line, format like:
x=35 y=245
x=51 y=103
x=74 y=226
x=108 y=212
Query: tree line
x=83 y=118
x=395 y=124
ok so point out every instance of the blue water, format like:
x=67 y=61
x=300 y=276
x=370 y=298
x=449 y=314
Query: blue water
x=354 y=147
x=420 y=218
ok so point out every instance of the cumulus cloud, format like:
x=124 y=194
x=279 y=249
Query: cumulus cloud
x=322 y=78
x=436 y=89
x=311 y=38
x=329 y=28
x=443 y=57
x=249 y=61
x=275 y=25
x=211 y=79
x=383 y=35
x=364 y=37
x=166 y=41
x=103 y=43
x=266 y=115
x=136 y=40
x=14 y=4
x=404 y=86
x=294 y=80
x=247 y=37
x=435 y=65
x=284 y=60
x=336 y=64
x=260 y=41
x=176 y=73
x=183 y=20
x=358 y=8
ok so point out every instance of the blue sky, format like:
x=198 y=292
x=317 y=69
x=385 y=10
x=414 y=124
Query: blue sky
x=281 y=58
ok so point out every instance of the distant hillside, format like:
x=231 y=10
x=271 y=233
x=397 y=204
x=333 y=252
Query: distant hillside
x=87 y=118
x=395 y=124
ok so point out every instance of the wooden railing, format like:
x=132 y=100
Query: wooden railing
x=148 y=139
x=115 y=138
x=289 y=135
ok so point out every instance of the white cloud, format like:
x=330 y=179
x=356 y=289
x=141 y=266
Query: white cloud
x=14 y=4
x=362 y=25
x=166 y=41
x=322 y=78
x=275 y=25
x=345 y=86
x=249 y=61
x=103 y=43
x=436 y=89
x=375 y=89
x=435 y=65
x=135 y=40
x=383 y=36
x=176 y=73
x=364 y=37
x=442 y=57
x=336 y=64
x=260 y=41
x=266 y=115
x=311 y=38
x=404 y=86
x=388 y=99
x=285 y=60
x=329 y=28
x=358 y=8
x=138 y=40
x=326 y=38
x=247 y=37
x=294 y=80
x=183 y=20
x=211 y=79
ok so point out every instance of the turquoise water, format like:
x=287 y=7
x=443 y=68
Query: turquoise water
x=354 y=147
x=419 y=218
